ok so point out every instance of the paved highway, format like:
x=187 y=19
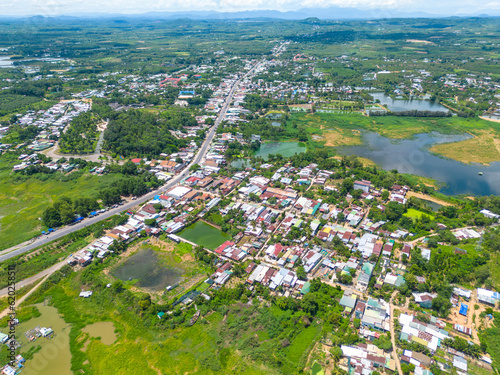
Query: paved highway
x=17 y=250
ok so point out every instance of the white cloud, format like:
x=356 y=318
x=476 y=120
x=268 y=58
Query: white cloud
x=54 y=7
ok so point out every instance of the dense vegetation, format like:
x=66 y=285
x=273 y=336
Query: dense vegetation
x=81 y=135
x=138 y=133
x=15 y=102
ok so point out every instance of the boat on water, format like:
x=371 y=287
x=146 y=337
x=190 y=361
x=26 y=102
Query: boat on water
x=480 y=173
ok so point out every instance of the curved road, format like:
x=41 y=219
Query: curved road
x=16 y=250
x=53 y=151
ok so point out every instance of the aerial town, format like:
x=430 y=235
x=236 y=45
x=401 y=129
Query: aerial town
x=231 y=198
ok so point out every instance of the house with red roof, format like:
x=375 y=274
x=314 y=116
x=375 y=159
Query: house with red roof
x=224 y=246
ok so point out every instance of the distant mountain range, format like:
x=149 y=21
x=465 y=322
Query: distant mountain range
x=331 y=13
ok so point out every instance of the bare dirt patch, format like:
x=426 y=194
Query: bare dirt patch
x=489 y=119
x=427 y=197
x=347 y=137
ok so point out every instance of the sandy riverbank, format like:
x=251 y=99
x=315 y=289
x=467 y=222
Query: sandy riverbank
x=427 y=197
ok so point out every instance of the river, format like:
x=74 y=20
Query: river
x=399 y=105
x=412 y=156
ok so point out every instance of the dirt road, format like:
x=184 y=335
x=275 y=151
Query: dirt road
x=21 y=300
x=393 y=338
x=53 y=152
x=49 y=271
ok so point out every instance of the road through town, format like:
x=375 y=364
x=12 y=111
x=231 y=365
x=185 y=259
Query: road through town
x=17 y=250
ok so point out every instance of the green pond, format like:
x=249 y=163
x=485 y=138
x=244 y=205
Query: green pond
x=286 y=149
x=104 y=330
x=54 y=357
x=204 y=235
x=149 y=272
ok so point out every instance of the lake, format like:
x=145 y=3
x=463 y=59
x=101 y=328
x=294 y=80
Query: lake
x=6 y=62
x=54 y=357
x=145 y=267
x=412 y=156
x=285 y=149
x=204 y=235
x=399 y=105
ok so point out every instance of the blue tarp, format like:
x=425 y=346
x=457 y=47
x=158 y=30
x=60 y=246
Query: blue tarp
x=463 y=309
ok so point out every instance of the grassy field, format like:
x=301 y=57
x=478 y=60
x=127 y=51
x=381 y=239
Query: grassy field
x=297 y=352
x=494 y=264
x=24 y=198
x=416 y=214
x=204 y=235
x=423 y=180
x=476 y=370
x=366 y=162
x=484 y=148
x=316 y=369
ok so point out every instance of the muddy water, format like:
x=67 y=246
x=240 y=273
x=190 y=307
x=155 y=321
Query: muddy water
x=104 y=330
x=55 y=356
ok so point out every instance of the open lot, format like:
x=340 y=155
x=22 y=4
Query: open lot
x=24 y=198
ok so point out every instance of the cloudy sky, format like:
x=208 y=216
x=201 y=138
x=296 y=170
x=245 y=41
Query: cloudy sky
x=57 y=7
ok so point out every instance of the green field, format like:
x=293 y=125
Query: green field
x=24 y=198
x=416 y=214
x=316 y=369
x=483 y=148
x=204 y=235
